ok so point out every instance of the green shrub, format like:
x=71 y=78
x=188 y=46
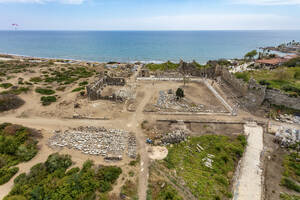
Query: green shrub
x=78 y=89
x=47 y=100
x=56 y=161
x=83 y=83
x=6 y=174
x=44 y=91
x=36 y=79
x=6 y=85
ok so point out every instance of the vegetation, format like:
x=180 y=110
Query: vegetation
x=179 y=93
x=163 y=66
x=295 y=62
x=129 y=190
x=83 y=83
x=285 y=79
x=52 y=180
x=36 y=79
x=44 y=91
x=205 y=182
x=159 y=190
x=136 y=161
x=17 y=144
x=6 y=85
x=250 y=55
x=9 y=102
x=16 y=90
x=285 y=196
x=47 y=100
x=78 y=89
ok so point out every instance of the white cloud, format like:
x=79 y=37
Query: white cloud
x=43 y=1
x=268 y=2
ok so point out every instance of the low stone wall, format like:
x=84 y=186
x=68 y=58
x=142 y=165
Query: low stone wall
x=278 y=98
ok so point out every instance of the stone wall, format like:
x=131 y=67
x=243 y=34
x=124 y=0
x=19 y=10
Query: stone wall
x=278 y=98
x=94 y=91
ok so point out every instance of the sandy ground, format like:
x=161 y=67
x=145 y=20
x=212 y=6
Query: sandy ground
x=249 y=184
x=158 y=153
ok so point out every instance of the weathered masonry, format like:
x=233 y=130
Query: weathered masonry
x=94 y=91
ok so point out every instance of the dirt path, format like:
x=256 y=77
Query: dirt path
x=249 y=183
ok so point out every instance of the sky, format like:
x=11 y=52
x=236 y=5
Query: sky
x=150 y=14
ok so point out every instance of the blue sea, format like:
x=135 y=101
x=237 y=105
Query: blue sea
x=147 y=46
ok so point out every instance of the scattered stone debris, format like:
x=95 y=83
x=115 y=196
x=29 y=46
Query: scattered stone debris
x=109 y=143
x=288 y=137
x=208 y=161
x=174 y=137
x=168 y=100
x=289 y=119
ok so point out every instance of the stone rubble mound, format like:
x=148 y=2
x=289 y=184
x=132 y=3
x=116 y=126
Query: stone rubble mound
x=96 y=141
x=287 y=137
x=289 y=119
x=174 y=137
x=168 y=100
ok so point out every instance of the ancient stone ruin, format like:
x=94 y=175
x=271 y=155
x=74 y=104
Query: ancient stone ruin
x=95 y=90
x=112 y=144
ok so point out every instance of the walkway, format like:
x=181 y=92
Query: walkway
x=249 y=183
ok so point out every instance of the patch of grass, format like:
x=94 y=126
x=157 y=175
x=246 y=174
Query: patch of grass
x=44 y=91
x=129 y=189
x=292 y=166
x=285 y=79
x=136 y=161
x=6 y=85
x=47 y=100
x=9 y=102
x=290 y=184
x=163 y=66
x=205 y=182
x=285 y=196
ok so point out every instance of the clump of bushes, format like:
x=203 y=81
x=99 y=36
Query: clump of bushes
x=51 y=180
x=83 y=83
x=10 y=102
x=16 y=90
x=44 y=91
x=35 y=79
x=47 y=100
x=17 y=144
x=6 y=85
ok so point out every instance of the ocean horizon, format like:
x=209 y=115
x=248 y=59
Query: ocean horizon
x=143 y=46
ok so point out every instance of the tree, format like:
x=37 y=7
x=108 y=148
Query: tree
x=179 y=93
x=250 y=55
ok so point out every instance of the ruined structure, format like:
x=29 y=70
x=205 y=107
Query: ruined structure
x=94 y=91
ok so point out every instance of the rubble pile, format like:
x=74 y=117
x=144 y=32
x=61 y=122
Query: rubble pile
x=287 y=137
x=289 y=119
x=168 y=100
x=174 y=137
x=96 y=141
x=131 y=146
x=208 y=160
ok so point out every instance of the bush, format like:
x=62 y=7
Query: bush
x=44 y=91
x=56 y=161
x=83 y=83
x=10 y=102
x=6 y=85
x=78 y=89
x=47 y=100
x=6 y=174
x=35 y=79
x=179 y=93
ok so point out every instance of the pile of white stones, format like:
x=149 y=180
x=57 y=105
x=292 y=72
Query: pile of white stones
x=169 y=101
x=287 y=137
x=174 y=137
x=95 y=141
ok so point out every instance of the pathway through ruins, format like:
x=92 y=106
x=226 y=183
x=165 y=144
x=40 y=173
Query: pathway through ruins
x=249 y=183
